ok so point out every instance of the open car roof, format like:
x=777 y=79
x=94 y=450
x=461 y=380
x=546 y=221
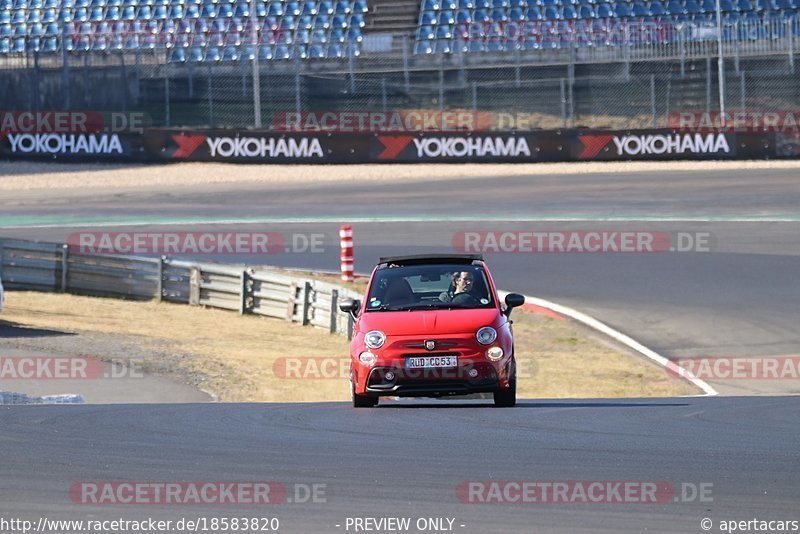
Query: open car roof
x=432 y=259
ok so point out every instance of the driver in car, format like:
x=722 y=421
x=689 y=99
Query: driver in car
x=460 y=288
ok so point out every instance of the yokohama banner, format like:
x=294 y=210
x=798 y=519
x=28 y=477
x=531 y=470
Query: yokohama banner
x=250 y=146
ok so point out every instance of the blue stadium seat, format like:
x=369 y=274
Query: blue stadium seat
x=20 y=29
x=515 y=14
x=430 y=5
x=744 y=5
x=211 y=54
x=316 y=51
x=568 y=13
x=310 y=8
x=656 y=8
x=334 y=51
x=288 y=22
x=192 y=12
x=282 y=52
x=325 y=7
x=534 y=13
x=223 y=11
x=342 y=7
x=338 y=35
x=480 y=15
x=446 y=17
x=586 y=11
x=465 y=4
x=551 y=13
x=621 y=10
x=318 y=37
x=763 y=5
x=360 y=6
x=292 y=8
x=6 y=30
x=35 y=30
x=230 y=53
x=5 y=45
x=443 y=32
x=500 y=4
x=483 y=4
x=241 y=10
x=497 y=15
x=18 y=45
x=275 y=9
x=358 y=21
x=19 y=16
x=427 y=18
x=604 y=11
x=321 y=22
x=640 y=10
x=209 y=11
x=463 y=16
x=691 y=7
x=442 y=47
x=50 y=44
x=305 y=22
x=423 y=47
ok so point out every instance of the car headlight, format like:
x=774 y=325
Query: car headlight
x=494 y=353
x=374 y=339
x=367 y=358
x=486 y=335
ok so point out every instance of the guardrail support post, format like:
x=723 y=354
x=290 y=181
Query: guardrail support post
x=291 y=301
x=194 y=286
x=334 y=309
x=160 y=288
x=306 y=303
x=245 y=293
x=64 y=254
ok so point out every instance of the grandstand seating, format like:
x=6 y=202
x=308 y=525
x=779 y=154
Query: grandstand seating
x=447 y=26
x=191 y=30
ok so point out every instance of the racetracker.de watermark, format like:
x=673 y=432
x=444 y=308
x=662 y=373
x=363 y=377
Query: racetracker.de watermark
x=582 y=492
x=737 y=367
x=177 y=243
x=196 y=493
x=581 y=241
x=66 y=368
x=338 y=368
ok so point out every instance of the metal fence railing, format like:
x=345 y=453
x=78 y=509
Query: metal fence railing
x=52 y=267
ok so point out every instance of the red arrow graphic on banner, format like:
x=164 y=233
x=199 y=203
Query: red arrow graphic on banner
x=393 y=145
x=187 y=144
x=592 y=145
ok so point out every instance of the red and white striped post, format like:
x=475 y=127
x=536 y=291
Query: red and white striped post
x=346 y=243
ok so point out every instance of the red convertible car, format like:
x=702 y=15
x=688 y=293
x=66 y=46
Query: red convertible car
x=432 y=326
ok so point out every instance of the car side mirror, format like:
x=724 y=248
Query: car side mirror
x=513 y=300
x=350 y=306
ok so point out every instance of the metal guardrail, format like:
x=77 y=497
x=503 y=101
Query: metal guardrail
x=53 y=267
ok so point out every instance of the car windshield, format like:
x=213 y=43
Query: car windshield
x=425 y=287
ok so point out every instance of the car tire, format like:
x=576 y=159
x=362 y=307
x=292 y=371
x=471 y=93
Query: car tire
x=507 y=398
x=361 y=401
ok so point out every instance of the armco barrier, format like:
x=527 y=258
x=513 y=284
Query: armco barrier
x=248 y=146
x=27 y=265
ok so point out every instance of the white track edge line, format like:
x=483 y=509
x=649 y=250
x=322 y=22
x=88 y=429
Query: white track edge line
x=622 y=338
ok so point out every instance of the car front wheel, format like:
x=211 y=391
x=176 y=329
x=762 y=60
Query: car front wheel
x=507 y=398
x=361 y=401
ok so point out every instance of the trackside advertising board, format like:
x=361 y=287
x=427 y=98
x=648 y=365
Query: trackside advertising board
x=250 y=146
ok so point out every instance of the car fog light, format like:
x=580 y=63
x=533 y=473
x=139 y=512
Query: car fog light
x=367 y=357
x=473 y=373
x=494 y=353
x=389 y=376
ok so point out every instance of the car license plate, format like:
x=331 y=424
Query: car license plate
x=421 y=362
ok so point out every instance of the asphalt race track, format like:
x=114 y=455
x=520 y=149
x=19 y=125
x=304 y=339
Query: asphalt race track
x=408 y=461
x=739 y=296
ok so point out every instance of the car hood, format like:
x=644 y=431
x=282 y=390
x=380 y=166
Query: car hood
x=428 y=322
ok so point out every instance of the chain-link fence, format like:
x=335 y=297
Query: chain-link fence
x=628 y=83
